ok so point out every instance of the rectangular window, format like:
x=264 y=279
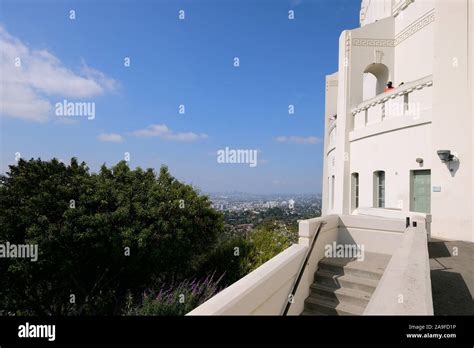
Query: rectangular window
x=333 y=179
x=380 y=189
x=355 y=190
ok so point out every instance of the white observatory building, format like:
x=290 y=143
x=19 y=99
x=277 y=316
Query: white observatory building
x=409 y=148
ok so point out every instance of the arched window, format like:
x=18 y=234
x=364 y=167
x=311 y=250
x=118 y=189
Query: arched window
x=375 y=80
x=379 y=189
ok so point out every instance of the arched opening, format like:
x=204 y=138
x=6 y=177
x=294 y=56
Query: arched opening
x=374 y=80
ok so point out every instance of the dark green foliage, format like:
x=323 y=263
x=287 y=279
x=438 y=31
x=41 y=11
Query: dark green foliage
x=82 y=248
x=228 y=258
x=267 y=240
x=239 y=255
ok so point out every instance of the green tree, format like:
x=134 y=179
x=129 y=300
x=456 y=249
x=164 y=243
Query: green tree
x=267 y=240
x=238 y=255
x=100 y=236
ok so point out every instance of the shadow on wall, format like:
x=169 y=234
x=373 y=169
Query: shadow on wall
x=374 y=80
x=453 y=167
x=451 y=161
x=451 y=277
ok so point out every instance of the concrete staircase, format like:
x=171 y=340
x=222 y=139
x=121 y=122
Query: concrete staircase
x=344 y=286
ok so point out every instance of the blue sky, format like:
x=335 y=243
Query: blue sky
x=174 y=62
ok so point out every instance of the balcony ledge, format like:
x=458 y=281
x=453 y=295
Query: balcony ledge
x=399 y=91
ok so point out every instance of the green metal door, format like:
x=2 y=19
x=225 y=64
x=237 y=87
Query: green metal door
x=421 y=200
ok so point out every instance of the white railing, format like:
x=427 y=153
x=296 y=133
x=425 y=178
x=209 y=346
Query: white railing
x=261 y=292
x=405 y=286
x=409 y=99
x=266 y=290
x=393 y=213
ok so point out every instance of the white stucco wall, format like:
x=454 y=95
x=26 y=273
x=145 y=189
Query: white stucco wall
x=395 y=153
x=428 y=40
x=329 y=140
x=452 y=121
x=414 y=55
x=374 y=10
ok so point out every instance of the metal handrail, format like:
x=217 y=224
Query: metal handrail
x=303 y=267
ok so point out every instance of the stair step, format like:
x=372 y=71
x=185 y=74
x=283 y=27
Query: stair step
x=337 y=281
x=343 y=286
x=340 y=270
x=371 y=267
x=342 y=295
x=331 y=307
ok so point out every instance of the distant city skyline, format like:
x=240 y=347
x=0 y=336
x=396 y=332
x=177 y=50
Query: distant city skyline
x=173 y=83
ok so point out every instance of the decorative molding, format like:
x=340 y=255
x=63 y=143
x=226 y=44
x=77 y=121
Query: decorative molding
x=378 y=55
x=399 y=6
x=426 y=81
x=416 y=26
x=373 y=42
x=408 y=31
x=348 y=45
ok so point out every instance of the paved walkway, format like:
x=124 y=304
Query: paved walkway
x=452 y=277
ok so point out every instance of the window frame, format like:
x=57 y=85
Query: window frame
x=355 y=193
x=379 y=188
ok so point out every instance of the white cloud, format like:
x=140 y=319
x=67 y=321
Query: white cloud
x=298 y=140
x=26 y=89
x=110 y=137
x=106 y=82
x=18 y=100
x=162 y=131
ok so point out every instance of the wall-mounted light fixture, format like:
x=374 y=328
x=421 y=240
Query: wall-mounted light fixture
x=451 y=159
x=445 y=156
x=419 y=161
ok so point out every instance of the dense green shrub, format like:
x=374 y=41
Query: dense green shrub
x=83 y=224
x=227 y=258
x=267 y=240
x=239 y=255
